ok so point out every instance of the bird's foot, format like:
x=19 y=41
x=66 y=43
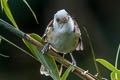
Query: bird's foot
x=74 y=64
x=96 y=75
x=84 y=73
x=105 y=78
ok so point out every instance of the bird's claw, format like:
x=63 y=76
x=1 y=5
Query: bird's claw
x=84 y=73
x=74 y=64
x=104 y=79
x=96 y=75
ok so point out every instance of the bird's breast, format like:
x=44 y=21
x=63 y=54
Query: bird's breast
x=63 y=42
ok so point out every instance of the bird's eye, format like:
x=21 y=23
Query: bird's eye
x=57 y=19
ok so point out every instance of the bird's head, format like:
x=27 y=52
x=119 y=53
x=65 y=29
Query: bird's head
x=61 y=16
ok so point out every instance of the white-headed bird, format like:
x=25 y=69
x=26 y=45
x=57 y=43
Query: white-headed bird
x=62 y=35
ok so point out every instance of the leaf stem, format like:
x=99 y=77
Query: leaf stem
x=31 y=10
x=93 y=54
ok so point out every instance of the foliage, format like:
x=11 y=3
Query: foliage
x=66 y=73
x=115 y=74
x=93 y=53
x=0 y=39
x=45 y=60
x=7 y=11
x=3 y=55
x=31 y=11
x=0 y=53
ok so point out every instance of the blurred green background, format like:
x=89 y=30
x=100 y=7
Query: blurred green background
x=101 y=18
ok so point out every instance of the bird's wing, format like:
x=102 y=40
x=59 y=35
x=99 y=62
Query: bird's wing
x=77 y=30
x=49 y=26
x=43 y=69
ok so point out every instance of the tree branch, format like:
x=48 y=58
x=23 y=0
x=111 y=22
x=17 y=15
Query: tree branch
x=78 y=71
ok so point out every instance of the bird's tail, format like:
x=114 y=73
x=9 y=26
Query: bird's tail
x=44 y=70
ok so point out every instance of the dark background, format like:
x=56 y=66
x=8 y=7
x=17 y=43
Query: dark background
x=101 y=18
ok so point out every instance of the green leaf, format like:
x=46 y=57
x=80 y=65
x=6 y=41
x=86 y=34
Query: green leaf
x=1 y=5
x=66 y=73
x=31 y=10
x=114 y=76
x=107 y=65
x=8 y=12
x=16 y=46
x=0 y=53
x=37 y=37
x=45 y=59
x=0 y=40
x=117 y=56
x=4 y=55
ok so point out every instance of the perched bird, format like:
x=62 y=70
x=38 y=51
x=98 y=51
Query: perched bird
x=62 y=35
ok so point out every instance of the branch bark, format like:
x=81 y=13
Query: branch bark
x=78 y=71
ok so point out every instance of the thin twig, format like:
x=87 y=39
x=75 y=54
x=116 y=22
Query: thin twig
x=57 y=57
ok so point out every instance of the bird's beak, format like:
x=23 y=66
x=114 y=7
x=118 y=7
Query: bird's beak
x=64 y=20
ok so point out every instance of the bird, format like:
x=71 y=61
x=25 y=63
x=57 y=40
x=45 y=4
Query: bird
x=63 y=35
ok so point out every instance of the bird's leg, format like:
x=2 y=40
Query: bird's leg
x=45 y=48
x=73 y=60
x=61 y=68
x=74 y=63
